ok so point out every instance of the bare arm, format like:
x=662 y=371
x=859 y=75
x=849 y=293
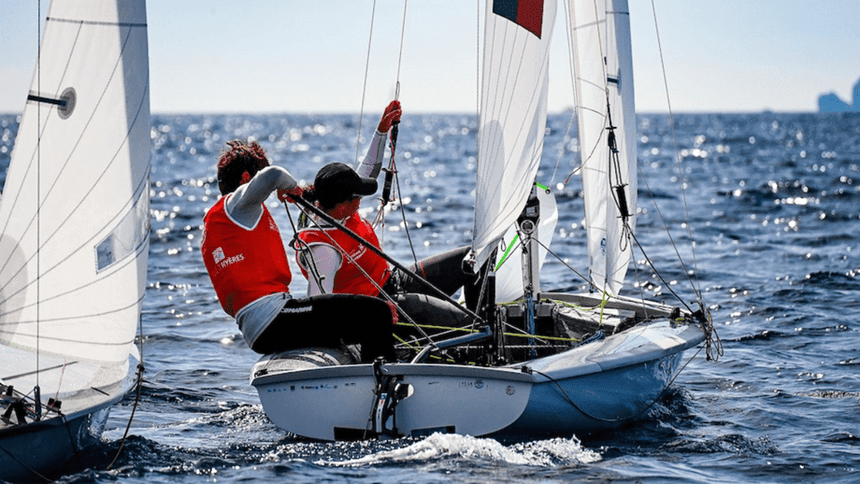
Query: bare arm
x=244 y=204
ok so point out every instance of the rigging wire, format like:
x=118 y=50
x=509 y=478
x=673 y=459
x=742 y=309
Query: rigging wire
x=402 y=36
x=586 y=279
x=671 y=238
x=38 y=198
x=657 y=273
x=372 y=248
x=678 y=160
x=571 y=66
x=364 y=86
x=392 y=170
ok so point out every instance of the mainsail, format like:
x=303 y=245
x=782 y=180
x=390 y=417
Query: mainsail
x=603 y=69
x=513 y=115
x=74 y=213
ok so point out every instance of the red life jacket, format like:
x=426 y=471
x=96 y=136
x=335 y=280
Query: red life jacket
x=244 y=265
x=349 y=279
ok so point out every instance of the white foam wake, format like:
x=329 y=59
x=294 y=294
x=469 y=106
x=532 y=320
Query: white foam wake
x=547 y=453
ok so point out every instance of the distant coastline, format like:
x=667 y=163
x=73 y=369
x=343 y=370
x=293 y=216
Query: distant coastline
x=830 y=102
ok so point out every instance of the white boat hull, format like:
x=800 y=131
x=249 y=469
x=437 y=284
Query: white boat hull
x=595 y=386
x=339 y=402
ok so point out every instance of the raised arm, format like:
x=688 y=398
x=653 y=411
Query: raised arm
x=244 y=205
x=371 y=164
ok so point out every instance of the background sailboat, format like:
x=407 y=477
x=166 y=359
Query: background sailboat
x=74 y=228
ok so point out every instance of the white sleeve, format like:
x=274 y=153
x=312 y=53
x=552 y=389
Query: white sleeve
x=371 y=164
x=327 y=260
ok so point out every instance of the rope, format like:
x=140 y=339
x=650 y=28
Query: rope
x=20 y=462
x=139 y=384
x=508 y=251
x=403 y=211
x=519 y=334
x=300 y=245
x=713 y=343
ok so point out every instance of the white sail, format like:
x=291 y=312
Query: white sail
x=513 y=115
x=74 y=213
x=604 y=89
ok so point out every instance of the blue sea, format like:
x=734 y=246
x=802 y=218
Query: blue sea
x=771 y=201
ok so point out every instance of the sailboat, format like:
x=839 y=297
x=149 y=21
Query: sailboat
x=74 y=236
x=538 y=363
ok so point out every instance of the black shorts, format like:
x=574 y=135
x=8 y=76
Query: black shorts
x=330 y=320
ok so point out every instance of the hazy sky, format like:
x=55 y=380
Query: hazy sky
x=310 y=56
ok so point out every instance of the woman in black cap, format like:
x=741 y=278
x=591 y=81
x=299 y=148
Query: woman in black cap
x=345 y=266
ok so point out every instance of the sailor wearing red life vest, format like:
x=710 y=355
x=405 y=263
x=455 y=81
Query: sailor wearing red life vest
x=247 y=264
x=349 y=267
x=344 y=266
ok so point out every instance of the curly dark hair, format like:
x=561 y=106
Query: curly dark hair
x=237 y=158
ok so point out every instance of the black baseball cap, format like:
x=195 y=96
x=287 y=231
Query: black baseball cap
x=337 y=182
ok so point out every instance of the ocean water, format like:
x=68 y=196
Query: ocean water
x=772 y=202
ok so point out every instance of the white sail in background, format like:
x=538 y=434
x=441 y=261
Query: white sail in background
x=74 y=213
x=604 y=88
x=513 y=115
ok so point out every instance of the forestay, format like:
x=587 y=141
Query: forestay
x=74 y=214
x=603 y=69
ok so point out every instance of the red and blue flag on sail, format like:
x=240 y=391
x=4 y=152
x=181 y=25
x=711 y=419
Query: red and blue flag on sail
x=528 y=14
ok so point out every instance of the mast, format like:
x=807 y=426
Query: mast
x=528 y=227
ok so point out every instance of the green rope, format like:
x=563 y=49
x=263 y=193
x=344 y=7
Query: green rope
x=507 y=252
x=604 y=300
x=466 y=330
